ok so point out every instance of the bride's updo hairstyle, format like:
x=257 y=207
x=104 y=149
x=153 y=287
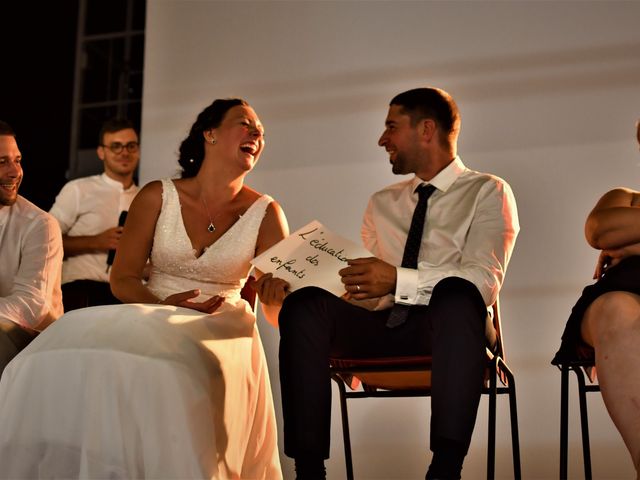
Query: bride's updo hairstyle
x=191 y=152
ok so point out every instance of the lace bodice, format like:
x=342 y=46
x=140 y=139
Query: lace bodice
x=223 y=267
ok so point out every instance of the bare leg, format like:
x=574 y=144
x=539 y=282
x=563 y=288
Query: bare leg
x=612 y=326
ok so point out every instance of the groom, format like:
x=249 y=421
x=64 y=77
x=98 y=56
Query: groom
x=432 y=302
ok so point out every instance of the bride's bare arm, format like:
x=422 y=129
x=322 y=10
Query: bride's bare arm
x=134 y=248
x=271 y=290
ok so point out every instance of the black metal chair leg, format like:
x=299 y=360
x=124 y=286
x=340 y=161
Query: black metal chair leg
x=345 y=429
x=584 y=423
x=491 y=442
x=513 y=417
x=564 y=421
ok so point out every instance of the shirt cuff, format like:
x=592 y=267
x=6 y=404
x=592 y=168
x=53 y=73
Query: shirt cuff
x=406 y=286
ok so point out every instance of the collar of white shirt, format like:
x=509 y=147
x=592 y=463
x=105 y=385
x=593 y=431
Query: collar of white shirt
x=445 y=178
x=4 y=214
x=114 y=183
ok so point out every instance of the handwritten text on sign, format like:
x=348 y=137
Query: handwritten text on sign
x=309 y=256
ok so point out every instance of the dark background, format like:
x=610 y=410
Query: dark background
x=36 y=89
x=37 y=84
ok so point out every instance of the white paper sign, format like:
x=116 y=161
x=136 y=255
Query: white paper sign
x=310 y=256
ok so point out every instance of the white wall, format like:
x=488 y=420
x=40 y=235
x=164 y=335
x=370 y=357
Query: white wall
x=549 y=96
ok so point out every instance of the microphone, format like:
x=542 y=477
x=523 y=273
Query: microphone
x=112 y=253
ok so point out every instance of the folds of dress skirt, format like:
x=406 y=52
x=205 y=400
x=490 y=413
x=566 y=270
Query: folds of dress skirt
x=140 y=391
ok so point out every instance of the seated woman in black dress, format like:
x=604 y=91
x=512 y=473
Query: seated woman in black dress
x=605 y=322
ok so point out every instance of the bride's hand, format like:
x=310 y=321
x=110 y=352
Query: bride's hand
x=182 y=299
x=271 y=290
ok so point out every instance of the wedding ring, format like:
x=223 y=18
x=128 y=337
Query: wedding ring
x=358 y=287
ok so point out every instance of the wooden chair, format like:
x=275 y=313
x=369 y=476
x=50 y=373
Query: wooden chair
x=411 y=377
x=581 y=369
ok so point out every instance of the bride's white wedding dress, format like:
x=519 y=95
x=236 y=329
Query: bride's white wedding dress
x=149 y=391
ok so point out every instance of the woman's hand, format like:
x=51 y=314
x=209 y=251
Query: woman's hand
x=271 y=290
x=612 y=257
x=182 y=300
x=604 y=262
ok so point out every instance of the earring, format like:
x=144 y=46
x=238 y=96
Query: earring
x=212 y=141
x=191 y=160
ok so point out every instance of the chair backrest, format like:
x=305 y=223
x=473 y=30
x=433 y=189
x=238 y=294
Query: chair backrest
x=498 y=350
x=497 y=326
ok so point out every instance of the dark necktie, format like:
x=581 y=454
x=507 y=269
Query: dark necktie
x=399 y=311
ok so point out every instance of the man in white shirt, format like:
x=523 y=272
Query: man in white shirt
x=90 y=213
x=30 y=255
x=434 y=304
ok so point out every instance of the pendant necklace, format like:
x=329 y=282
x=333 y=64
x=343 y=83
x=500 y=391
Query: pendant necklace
x=211 y=228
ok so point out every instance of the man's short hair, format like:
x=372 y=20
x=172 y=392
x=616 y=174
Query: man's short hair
x=432 y=103
x=114 y=125
x=5 y=129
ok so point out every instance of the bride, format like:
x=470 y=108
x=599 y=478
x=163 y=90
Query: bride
x=173 y=384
